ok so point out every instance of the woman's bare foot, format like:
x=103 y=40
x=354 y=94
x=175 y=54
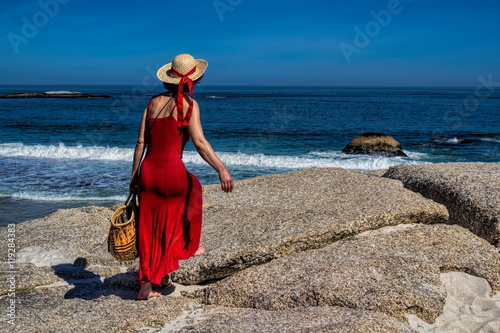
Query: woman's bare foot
x=147 y=292
x=200 y=250
x=146 y=296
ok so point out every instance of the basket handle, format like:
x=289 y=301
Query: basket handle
x=130 y=197
x=127 y=208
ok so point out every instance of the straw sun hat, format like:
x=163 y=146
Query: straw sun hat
x=183 y=63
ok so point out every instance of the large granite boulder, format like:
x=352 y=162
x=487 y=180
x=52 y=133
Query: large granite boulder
x=68 y=244
x=299 y=320
x=328 y=262
x=273 y=216
x=88 y=307
x=394 y=270
x=470 y=191
x=374 y=144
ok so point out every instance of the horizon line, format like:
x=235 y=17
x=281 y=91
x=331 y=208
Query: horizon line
x=239 y=85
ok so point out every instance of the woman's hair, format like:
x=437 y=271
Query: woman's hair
x=173 y=88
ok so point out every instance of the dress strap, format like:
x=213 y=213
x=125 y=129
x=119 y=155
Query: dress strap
x=149 y=108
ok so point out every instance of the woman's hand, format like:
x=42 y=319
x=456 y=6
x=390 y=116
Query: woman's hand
x=226 y=181
x=133 y=184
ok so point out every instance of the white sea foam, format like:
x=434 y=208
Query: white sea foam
x=338 y=155
x=91 y=182
x=310 y=160
x=62 y=151
x=449 y=140
x=216 y=97
x=47 y=196
x=495 y=140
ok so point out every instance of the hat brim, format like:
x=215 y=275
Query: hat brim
x=165 y=76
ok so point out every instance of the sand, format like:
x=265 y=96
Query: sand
x=190 y=317
x=36 y=256
x=469 y=307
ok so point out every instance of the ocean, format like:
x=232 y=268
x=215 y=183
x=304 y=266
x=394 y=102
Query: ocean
x=62 y=153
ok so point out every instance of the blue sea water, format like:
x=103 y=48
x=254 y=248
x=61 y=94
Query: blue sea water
x=60 y=153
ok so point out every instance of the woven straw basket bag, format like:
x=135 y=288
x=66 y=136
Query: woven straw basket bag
x=122 y=242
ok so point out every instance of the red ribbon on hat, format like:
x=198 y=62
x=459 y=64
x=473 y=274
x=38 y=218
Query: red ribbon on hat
x=179 y=100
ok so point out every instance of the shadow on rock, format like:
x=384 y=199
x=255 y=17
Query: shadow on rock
x=88 y=285
x=129 y=281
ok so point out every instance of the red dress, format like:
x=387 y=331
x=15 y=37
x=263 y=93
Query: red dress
x=170 y=202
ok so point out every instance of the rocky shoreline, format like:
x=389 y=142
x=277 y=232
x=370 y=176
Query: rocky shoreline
x=410 y=249
x=54 y=94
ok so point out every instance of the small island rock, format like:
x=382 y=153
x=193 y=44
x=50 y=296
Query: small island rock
x=374 y=144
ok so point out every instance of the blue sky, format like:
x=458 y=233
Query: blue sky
x=252 y=42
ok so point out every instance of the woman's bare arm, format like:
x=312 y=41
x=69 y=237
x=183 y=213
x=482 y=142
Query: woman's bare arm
x=139 y=149
x=206 y=151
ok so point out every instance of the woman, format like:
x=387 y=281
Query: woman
x=170 y=198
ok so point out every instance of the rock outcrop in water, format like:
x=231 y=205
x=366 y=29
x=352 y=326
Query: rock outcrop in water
x=318 y=250
x=374 y=144
x=54 y=94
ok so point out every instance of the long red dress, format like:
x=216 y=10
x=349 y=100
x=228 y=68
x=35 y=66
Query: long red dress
x=170 y=202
